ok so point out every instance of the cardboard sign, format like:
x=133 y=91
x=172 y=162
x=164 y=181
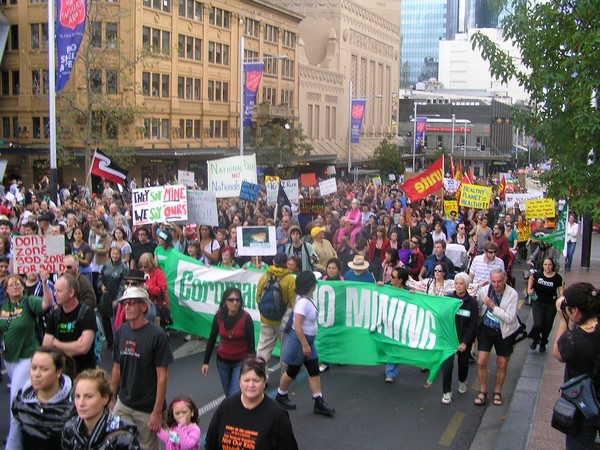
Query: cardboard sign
x=449 y=206
x=328 y=187
x=272 y=189
x=519 y=200
x=523 y=232
x=451 y=184
x=539 y=209
x=291 y=190
x=312 y=206
x=225 y=175
x=159 y=204
x=308 y=179
x=254 y=241
x=392 y=177
x=249 y=192
x=37 y=253
x=377 y=181
x=202 y=208
x=474 y=196
x=186 y=178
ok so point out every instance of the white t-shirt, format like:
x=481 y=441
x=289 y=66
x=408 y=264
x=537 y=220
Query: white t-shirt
x=306 y=308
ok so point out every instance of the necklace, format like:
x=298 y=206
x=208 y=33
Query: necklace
x=589 y=326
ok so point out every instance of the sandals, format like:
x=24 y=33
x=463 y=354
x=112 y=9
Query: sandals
x=481 y=399
x=498 y=399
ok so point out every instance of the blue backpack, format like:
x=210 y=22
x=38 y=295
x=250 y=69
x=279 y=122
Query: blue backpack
x=271 y=305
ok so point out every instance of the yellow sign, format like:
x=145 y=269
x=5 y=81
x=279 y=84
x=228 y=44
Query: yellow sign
x=523 y=232
x=473 y=196
x=269 y=178
x=539 y=209
x=449 y=206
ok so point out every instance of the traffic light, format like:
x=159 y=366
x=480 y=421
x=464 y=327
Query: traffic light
x=343 y=173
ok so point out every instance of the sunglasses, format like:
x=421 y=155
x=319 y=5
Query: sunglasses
x=234 y=299
x=438 y=270
x=132 y=302
x=415 y=242
x=491 y=251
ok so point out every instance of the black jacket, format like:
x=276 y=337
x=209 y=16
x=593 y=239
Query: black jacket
x=467 y=319
x=110 y=433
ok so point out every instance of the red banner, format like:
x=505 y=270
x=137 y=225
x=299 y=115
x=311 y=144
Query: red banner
x=425 y=183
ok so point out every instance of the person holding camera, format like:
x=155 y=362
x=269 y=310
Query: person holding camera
x=576 y=347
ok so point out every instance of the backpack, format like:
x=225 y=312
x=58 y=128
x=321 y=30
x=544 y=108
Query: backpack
x=40 y=320
x=98 y=335
x=271 y=306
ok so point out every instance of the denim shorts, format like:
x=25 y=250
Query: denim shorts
x=292 y=350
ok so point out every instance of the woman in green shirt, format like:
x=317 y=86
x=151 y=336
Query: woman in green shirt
x=228 y=262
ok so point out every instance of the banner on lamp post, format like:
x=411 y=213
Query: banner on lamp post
x=252 y=75
x=357 y=114
x=70 y=26
x=421 y=125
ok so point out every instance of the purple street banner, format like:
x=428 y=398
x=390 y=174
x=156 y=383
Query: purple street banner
x=252 y=76
x=421 y=124
x=70 y=26
x=358 y=112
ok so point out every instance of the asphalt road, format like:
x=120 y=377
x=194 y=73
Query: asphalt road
x=371 y=414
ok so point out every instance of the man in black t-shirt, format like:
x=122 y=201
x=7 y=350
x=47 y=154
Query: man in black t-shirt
x=144 y=245
x=72 y=326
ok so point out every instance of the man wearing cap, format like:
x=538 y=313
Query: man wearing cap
x=44 y=222
x=323 y=249
x=269 y=329
x=358 y=270
x=140 y=371
x=69 y=329
x=86 y=293
x=304 y=251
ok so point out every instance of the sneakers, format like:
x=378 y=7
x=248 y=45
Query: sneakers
x=285 y=402
x=323 y=408
x=462 y=388
x=542 y=348
x=323 y=367
x=447 y=398
x=389 y=380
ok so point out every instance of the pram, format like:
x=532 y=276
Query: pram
x=458 y=255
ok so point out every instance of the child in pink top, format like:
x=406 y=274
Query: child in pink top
x=182 y=420
x=355 y=218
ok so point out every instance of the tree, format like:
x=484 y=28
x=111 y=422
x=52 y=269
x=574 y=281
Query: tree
x=559 y=45
x=277 y=146
x=387 y=158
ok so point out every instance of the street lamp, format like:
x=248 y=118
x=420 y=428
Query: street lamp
x=350 y=98
x=453 y=121
x=242 y=62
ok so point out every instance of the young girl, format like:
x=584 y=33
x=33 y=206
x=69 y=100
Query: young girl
x=182 y=420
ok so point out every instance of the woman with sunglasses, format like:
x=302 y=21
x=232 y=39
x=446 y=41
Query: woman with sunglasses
x=461 y=237
x=439 y=285
x=235 y=328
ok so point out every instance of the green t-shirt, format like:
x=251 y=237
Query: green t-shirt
x=162 y=255
x=17 y=328
x=233 y=266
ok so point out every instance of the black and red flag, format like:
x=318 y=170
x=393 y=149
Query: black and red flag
x=104 y=167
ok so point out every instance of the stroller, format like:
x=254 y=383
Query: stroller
x=458 y=255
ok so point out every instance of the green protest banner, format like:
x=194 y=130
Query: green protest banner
x=558 y=238
x=359 y=323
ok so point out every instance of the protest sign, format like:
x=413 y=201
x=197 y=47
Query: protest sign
x=450 y=205
x=159 y=204
x=539 y=208
x=451 y=184
x=269 y=178
x=312 y=206
x=308 y=179
x=359 y=323
x=36 y=253
x=331 y=170
x=377 y=181
x=291 y=190
x=186 y=178
x=254 y=241
x=249 y=192
x=328 y=186
x=523 y=232
x=225 y=175
x=272 y=189
x=473 y=196
x=392 y=177
x=513 y=200
x=202 y=208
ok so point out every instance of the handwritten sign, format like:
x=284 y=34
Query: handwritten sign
x=451 y=184
x=291 y=190
x=474 y=196
x=36 y=253
x=392 y=177
x=449 y=206
x=539 y=208
x=377 y=181
x=249 y=192
x=159 y=204
x=308 y=179
x=328 y=187
x=519 y=200
x=272 y=190
x=312 y=206
x=202 y=208
x=186 y=178
x=523 y=232
x=225 y=175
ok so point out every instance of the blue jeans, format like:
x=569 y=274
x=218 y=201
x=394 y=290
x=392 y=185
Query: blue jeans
x=570 y=250
x=391 y=370
x=229 y=373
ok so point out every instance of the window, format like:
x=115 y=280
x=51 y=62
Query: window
x=218 y=53
x=218 y=91
x=40 y=127
x=327 y=122
x=112 y=35
x=96 y=80
x=164 y=5
x=6 y=127
x=164 y=131
x=287 y=68
x=36 y=127
x=95 y=34
x=39 y=35
x=270 y=67
x=191 y=9
x=111 y=82
x=271 y=34
x=197 y=129
x=287 y=97
x=288 y=39
x=189 y=88
x=157 y=41
x=269 y=95
x=252 y=27
x=155 y=85
x=14 y=37
x=156 y=128
x=15 y=127
x=165 y=87
x=39 y=82
x=189 y=47
x=46 y=121
x=219 y=17
x=197 y=89
x=15 y=82
x=251 y=56
x=218 y=129
x=188 y=128
x=5 y=83
x=112 y=128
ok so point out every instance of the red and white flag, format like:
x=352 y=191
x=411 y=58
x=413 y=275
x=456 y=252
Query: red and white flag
x=105 y=168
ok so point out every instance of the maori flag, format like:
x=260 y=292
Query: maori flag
x=427 y=182
x=103 y=167
x=252 y=76
x=70 y=26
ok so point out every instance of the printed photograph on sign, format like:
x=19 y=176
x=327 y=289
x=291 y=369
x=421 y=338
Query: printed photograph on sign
x=256 y=241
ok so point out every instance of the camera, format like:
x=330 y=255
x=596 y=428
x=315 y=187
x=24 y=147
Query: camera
x=563 y=306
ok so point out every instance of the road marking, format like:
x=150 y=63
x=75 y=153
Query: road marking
x=451 y=429
x=190 y=348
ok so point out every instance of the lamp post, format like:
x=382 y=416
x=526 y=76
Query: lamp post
x=465 y=129
x=242 y=62
x=414 y=162
x=453 y=121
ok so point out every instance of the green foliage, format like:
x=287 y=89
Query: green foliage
x=277 y=147
x=387 y=158
x=559 y=41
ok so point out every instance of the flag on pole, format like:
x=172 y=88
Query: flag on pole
x=451 y=167
x=357 y=115
x=425 y=183
x=459 y=171
x=502 y=188
x=70 y=27
x=282 y=200
x=104 y=167
x=470 y=176
x=252 y=75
